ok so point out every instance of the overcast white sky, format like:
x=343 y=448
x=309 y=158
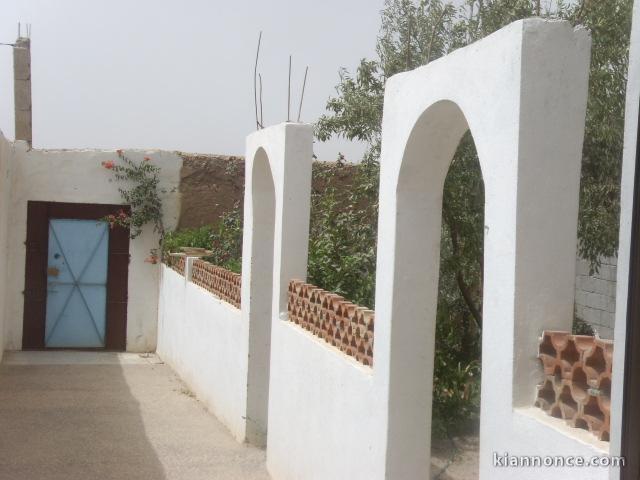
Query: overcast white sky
x=178 y=75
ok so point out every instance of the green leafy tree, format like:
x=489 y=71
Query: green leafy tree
x=342 y=245
x=342 y=240
x=415 y=32
x=610 y=25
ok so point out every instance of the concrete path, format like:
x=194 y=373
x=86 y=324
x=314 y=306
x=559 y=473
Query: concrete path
x=85 y=416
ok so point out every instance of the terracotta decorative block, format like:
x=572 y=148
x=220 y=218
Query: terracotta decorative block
x=330 y=317
x=577 y=385
x=226 y=285
x=176 y=262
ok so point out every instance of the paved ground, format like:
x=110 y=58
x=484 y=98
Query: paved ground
x=85 y=416
x=455 y=458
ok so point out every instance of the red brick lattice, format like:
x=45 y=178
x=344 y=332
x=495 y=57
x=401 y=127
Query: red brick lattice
x=577 y=385
x=343 y=324
x=176 y=262
x=226 y=285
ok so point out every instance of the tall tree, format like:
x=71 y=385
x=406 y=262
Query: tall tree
x=414 y=33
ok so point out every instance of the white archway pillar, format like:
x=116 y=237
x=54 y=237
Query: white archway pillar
x=275 y=246
x=628 y=184
x=522 y=92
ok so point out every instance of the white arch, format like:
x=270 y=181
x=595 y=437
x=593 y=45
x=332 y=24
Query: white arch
x=522 y=93
x=275 y=246
x=261 y=251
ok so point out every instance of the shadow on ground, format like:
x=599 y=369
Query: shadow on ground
x=112 y=421
x=72 y=422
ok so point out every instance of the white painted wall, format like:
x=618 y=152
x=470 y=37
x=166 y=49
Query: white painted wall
x=6 y=152
x=275 y=244
x=321 y=402
x=624 y=248
x=205 y=341
x=78 y=176
x=522 y=93
x=322 y=411
x=332 y=418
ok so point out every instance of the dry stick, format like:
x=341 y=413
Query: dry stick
x=255 y=73
x=304 y=83
x=289 y=93
x=261 y=117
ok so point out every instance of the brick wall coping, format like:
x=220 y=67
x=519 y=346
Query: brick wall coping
x=343 y=324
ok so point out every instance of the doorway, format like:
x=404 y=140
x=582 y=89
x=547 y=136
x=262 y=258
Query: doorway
x=75 y=277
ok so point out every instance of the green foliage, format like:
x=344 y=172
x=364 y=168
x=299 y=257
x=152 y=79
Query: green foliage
x=359 y=101
x=580 y=327
x=224 y=239
x=610 y=24
x=142 y=194
x=342 y=245
x=415 y=32
x=199 y=237
x=342 y=240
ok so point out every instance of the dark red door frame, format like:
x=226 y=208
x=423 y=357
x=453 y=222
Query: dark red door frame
x=35 y=289
x=631 y=394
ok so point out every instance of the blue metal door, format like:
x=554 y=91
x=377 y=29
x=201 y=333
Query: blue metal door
x=77 y=283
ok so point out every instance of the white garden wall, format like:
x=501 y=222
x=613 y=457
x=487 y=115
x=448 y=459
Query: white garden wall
x=77 y=176
x=205 y=341
x=329 y=417
x=321 y=410
x=6 y=150
x=526 y=82
x=274 y=250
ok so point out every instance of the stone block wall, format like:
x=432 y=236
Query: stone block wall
x=596 y=295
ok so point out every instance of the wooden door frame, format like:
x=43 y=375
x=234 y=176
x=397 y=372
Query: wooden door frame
x=630 y=448
x=35 y=290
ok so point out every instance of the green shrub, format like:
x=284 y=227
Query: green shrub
x=191 y=237
x=343 y=233
x=224 y=239
x=580 y=327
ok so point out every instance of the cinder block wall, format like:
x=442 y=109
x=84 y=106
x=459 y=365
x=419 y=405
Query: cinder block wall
x=596 y=295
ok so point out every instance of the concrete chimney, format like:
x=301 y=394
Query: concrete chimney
x=22 y=88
